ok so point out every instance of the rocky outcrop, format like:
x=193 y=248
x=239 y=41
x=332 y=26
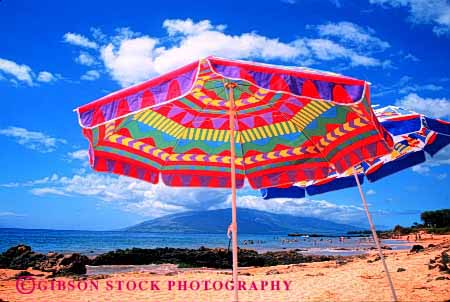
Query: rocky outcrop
x=416 y=248
x=21 y=257
x=202 y=257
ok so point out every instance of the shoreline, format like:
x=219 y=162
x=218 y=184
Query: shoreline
x=416 y=276
x=311 y=245
x=22 y=256
x=95 y=243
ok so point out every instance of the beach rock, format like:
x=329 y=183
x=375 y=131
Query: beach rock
x=384 y=247
x=16 y=251
x=202 y=257
x=377 y=258
x=49 y=263
x=22 y=257
x=444 y=268
x=401 y=269
x=22 y=274
x=442 y=278
x=25 y=260
x=19 y=257
x=4 y=262
x=417 y=248
x=98 y=277
x=341 y=261
x=74 y=264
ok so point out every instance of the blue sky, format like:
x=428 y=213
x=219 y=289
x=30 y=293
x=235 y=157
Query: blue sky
x=57 y=55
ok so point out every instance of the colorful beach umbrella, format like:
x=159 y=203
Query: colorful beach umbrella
x=219 y=122
x=414 y=135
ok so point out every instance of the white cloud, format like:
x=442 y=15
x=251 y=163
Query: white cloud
x=415 y=88
x=98 y=34
x=432 y=107
x=11 y=214
x=126 y=193
x=352 y=33
x=47 y=191
x=31 y=183
x=46 y=77
x=189 y=27
x=327 y=50
x=150 y=200
x=79 y=155
x=19 y=72
x=137 y=59
x=32 y=140
x=302 y=207
x=131 y=57
x=411 y=57
x=421 y=169
x=436 y=12
x=405 y=85
x=439 y=159
x=90 y=75
x=85 y=58
x=79 y=40
x=245 y=46
x=371 y=192
x=132 y=61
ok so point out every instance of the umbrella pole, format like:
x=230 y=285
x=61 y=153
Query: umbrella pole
x=232 y=112
x=375 y=237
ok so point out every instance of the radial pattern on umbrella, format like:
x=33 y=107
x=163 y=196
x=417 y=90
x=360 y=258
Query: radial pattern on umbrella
x=291 y=125
x=414 y=135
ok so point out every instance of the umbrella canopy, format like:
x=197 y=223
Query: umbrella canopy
x=291 y=125
x=217 y=122
x=414 y=134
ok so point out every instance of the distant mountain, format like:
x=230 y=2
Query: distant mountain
x=249 y=222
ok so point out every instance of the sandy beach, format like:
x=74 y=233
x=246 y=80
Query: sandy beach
x=358 y=279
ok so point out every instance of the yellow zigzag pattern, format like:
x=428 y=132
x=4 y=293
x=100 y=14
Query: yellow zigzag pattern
x=329 y=138
x=161 y=154
x=308 y=113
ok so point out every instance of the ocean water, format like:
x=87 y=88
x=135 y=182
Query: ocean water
x=97 y=242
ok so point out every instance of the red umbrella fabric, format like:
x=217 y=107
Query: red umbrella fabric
x=291 y=125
